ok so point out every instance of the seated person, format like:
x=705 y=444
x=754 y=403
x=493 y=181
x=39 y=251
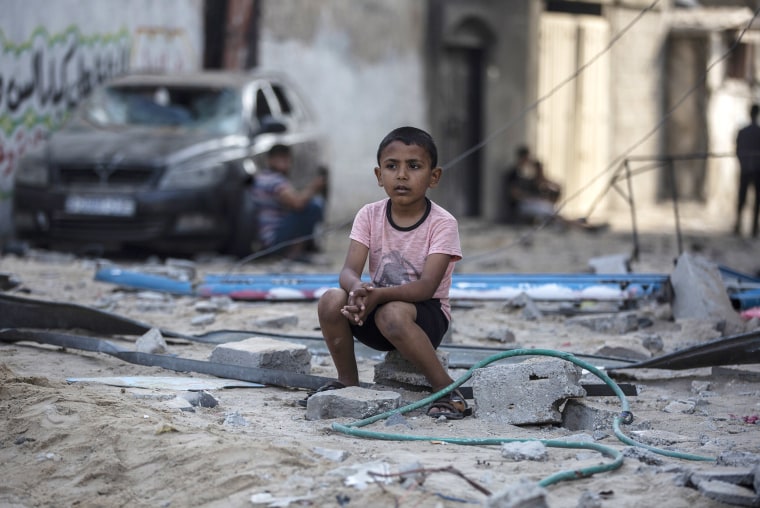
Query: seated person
x=530 y=195
x=287 y=216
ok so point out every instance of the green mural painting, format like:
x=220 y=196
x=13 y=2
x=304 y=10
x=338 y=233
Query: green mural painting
x=43 y=77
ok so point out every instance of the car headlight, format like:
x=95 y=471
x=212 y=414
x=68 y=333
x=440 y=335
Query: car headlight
x=32 y=171
x=193 y=175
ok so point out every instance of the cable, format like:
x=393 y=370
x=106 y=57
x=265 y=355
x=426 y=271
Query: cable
x=625 y=417
x=505 y=126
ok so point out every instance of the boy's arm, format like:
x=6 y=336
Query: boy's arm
x=350 y=275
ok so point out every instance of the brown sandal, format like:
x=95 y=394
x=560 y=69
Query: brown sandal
x=451 y=406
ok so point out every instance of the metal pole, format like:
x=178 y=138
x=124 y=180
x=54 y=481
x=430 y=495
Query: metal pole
x=632 y=206
x=674 y=194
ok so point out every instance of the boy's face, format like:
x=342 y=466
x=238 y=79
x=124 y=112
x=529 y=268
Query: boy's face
x=405 y=173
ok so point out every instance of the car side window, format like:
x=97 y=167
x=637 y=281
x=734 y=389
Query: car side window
x=282 y=99
x=262 y=105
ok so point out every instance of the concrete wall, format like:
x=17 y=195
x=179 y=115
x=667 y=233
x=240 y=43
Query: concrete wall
x=53 y=53
x=637 y=98
x=360 y=64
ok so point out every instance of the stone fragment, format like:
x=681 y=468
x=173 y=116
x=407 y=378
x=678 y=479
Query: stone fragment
x=152 y=342
x=352 y=402
x=643 y=455
x=502 y=335
x=276 y=321
x=699 y=292
x=736 y=458
x=681 y=406
x=617 y=323
x=263 y=352
x=524 y=450
x=524 y=494
x=582 y=414
x=730 y=474
x=203 y=320
x=235 y=419
x=589 y=500
x=728 y=493
x=652 y=342
x=395 y=370
x=201 y=399
x=529 y=392
x=331 y=454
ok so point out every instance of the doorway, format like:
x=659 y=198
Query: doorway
x=462 y=90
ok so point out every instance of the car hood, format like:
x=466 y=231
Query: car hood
x=146 y=146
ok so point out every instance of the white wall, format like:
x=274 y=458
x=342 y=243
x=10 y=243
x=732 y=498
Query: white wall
x=53 y=52
x=359 y=63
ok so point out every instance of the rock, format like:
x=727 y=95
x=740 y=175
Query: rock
x=502 y=335
x=351 y=402
x=266 y=353
x=395 y=370
x=152 y=342
x=518 y=495
x=529 y=392
x=699 y=293
x=524 y=450
x=618 y=323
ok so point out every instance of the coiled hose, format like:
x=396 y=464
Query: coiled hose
x=625 y=417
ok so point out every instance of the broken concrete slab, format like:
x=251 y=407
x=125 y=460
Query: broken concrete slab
x=526 y=393
x=396 y=371
x=618 y=323
x=277 y=321
x=699 y=292
x=581 y=414
x=729 y=474
x=524 y=450
x=738 y=458
x=352 y=402
x=524 y=494
x=331 y=453
x=264 y=352
x=728 y=493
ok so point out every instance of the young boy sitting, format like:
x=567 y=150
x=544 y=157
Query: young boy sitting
x=412 y=245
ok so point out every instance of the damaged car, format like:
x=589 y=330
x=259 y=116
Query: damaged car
x=163 y=161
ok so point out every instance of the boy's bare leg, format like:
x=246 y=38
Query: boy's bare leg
x=338 y=336
x=395 y=320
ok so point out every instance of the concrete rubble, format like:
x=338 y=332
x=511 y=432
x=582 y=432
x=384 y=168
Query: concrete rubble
x=396 y=371
x=352 y=402
x=529 y=392
x=699 y=293
x=264 y=352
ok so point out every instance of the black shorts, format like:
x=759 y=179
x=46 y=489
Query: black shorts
x=430 y=318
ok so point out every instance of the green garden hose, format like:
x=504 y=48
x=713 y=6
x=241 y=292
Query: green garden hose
x=625 y=417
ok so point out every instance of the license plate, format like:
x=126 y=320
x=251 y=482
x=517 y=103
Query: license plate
x=112 y=206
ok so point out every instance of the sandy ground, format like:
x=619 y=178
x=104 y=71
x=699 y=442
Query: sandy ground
x=89 y=444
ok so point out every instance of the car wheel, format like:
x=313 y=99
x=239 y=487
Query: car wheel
x=244 y=230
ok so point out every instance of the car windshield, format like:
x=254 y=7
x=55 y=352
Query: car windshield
x=213 y=110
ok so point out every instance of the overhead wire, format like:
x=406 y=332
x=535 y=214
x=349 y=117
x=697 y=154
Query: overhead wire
x=500 y=130
x=620 y=158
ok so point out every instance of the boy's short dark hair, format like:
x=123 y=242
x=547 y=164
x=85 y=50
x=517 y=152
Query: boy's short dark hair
x=278 y=149
x=411 y=136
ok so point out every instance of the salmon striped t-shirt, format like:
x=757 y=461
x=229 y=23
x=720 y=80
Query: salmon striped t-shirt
x=397 y=254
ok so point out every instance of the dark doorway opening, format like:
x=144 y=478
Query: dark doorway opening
x=462 y=130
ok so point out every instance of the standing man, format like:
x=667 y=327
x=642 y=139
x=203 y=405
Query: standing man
x=748 y=153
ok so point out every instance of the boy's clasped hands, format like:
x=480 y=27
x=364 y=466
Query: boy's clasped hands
x=359 y=304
